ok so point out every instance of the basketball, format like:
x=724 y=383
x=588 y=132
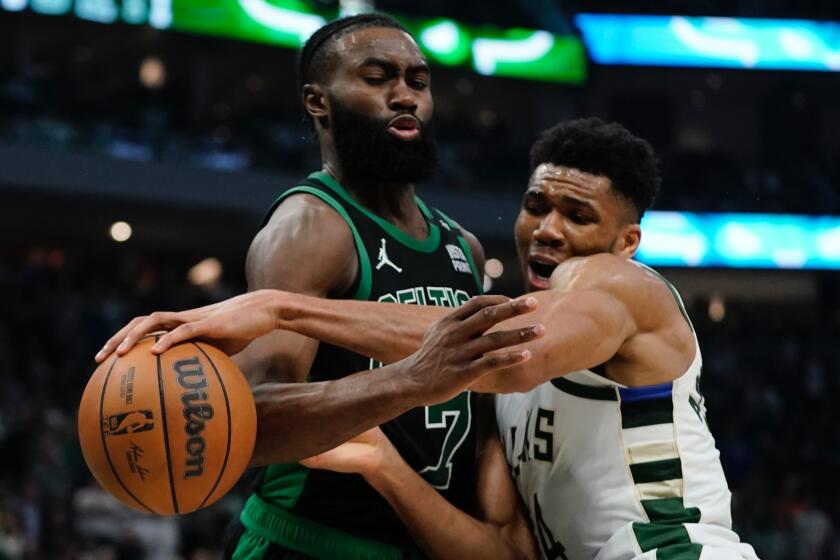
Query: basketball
x=167 y=434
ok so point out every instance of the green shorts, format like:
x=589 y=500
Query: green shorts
x=267 y=526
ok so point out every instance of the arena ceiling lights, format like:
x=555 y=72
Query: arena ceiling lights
x=517 y=53
x=711 y=42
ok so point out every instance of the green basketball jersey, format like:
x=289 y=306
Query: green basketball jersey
x=437 y=441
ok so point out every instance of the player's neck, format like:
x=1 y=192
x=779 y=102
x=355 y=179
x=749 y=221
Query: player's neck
x=392 y=201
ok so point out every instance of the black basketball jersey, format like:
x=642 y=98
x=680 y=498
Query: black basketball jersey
x=437 y=441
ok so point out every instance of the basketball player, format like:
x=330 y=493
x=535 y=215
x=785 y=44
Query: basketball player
x=355 y=229
x=604 y=440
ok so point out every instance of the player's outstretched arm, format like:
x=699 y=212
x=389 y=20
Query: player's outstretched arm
x=500 y=531
x=589 y=313
x=299 y=420
x=384 y=331
x=449 y=359
x=306 y=248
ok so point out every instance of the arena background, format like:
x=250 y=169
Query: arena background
x=182 y=120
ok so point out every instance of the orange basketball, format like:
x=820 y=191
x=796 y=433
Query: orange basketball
x=171 y=433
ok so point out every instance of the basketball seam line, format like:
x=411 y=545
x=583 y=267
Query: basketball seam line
x=105 y=446
x=227 y=408
x=166 y=433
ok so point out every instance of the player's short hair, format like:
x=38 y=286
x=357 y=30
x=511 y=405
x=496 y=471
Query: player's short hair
x=314 y=57
x=606 y=149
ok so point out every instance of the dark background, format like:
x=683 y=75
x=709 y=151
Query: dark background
x=192 y=166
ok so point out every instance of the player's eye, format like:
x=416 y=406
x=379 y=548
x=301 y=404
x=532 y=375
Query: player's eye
x=579 y=218
x=418 y=84
x=535 y=205
x=375 y=80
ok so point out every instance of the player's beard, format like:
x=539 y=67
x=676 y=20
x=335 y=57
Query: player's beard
x=368 y=152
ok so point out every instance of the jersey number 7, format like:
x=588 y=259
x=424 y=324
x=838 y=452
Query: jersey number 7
x=455 y=417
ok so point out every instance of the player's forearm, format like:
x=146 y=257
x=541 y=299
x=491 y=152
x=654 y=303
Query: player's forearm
x=383 y=331
x=298 y=420
x=557 y=353
x=580 y=332
x=439 y=528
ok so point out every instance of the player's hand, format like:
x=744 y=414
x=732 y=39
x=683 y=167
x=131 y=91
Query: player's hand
x=456 y=351
x=365 y=454
x=229 y=325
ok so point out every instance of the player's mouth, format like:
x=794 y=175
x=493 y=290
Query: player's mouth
x=404 y=127
x=539 y=271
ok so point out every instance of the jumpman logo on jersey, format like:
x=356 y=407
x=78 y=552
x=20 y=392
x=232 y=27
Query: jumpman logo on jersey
x=383 y=259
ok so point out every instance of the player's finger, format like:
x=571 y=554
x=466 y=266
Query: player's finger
x=173 y=337
x=500 y=360
x=159 y=320
x=490 y=315
x=476 y=303
x=115 y=340
x=503 y=339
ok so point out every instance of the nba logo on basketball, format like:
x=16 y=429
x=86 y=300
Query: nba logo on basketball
x=129 y=423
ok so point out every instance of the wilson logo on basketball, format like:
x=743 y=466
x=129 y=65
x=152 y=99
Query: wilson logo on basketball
x=129 y=423
x=196 y=412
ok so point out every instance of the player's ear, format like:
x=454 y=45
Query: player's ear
x=628 y=241
x=315 y=101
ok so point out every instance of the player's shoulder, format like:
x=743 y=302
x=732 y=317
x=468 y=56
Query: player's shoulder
x=305 y=237
x=616 y=274
x=305 y=219
x=643 y=293
x=591 y=270
x=304 y=209
x=475 y=248
x=470 y=238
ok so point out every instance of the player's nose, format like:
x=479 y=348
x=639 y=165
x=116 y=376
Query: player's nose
x=549 y=231
x=402 y=97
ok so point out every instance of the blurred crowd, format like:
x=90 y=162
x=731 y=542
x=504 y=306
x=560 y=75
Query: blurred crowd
x=240 y=114
x=474 y=154
x=769 y=376
x=58 y=308
x=769 y=372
